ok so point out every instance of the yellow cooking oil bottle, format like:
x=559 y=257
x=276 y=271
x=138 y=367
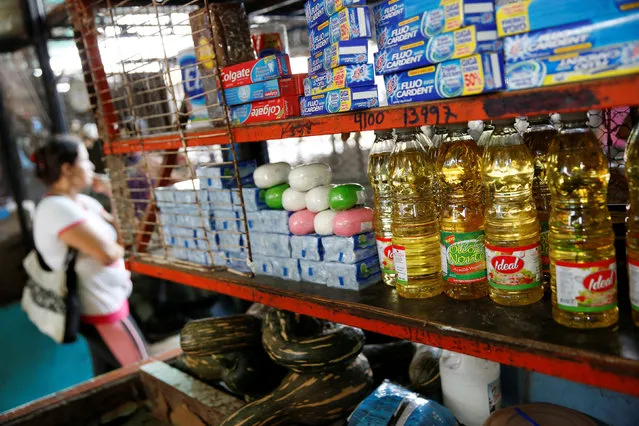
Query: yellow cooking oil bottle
x=461 y=220
x=511 y=230
x=439 y=134
x=383 y=203
x=632 y=236
x=582 y=253
x=482 y=142
x=538 y=137
x=414 y=225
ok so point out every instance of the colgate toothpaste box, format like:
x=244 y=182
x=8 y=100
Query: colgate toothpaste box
x=433 y=17
x=337 y=54
x=269 y=110
x=266 y=68
x=318 y=11
x=442 y=47
x=293 y=86
x=460 y=77
x=339 y=78
x=349 y=99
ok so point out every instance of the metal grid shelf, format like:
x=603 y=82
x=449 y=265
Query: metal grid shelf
x=523 y=337
x=598 y=94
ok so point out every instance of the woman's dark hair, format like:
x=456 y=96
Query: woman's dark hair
x=48 y=159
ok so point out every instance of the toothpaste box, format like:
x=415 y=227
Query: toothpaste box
x=442 y=47
x=607 y=61
x=571 y=38
x=341 y=53
x=348 y=24
x=318 y=11
x=349 y=99
x=339 y=78
x=433 y=17
x=460 y=77
x=263 y=90
x=268 y=110
x=521 y=16
x=410 y=31
x=266 y=68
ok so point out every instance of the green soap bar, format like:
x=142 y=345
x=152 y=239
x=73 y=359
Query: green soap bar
x=346 y=196
x=273 y=196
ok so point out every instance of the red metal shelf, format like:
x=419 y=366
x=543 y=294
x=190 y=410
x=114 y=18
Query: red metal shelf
x=598 y=94
x=523 y=337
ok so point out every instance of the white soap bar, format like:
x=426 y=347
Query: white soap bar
x=317 y=199
x=293 y=200
x=269 y=175
x=309 y=176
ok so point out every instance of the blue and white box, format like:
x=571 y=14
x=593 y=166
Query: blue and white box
x=313 y=272
x=276 y=221
x=350 y=23
x=287 y=269
x=571 y=38
x=220 y=199
x=348 y=52
x=255 y=222
x=192 y=84
x=353 y=276
x=220 y=258
x=447 y=80
x=349 y=99
x=219 y=177
x=253 y=199
x=200 y=257
x=262 y=265
x=231 y=241
x=318 y=11
x=238 y=261
x=339 y=78
x=271 y=245
x=308 y=247
x=515 y=17
x=349 y=249
x=610 y=61
x=434 y=16
x=227 y=220
x=319 y=37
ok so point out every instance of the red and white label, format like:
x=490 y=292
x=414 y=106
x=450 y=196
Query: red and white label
x=633 y=278
x=514 y=268
x=401 y=268
x=586 y=287
x=385 y=254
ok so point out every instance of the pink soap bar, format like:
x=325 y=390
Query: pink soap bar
x=302 y=222
x=352 y=222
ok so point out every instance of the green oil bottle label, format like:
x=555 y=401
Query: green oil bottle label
x=545 y=248
x=463 y=257
x=586 y=287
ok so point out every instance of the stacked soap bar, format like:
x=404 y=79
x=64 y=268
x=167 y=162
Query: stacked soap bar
x=569 y=47
x=295 y=240
x=340 y=77
x=262 y=90
x=433 y=49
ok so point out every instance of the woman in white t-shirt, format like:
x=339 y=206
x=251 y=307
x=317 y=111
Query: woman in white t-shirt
x=66 y=218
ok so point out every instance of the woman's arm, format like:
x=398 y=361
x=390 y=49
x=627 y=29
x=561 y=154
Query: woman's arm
x=84 y=239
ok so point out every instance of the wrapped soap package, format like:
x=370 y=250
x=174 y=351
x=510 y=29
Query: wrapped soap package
x=308 y=247
x=313 y=272
x=355 y=276
x=349 y=249
x=287 y=269
x=253 y=199
x=271 y=245
x=276 y=221
x=262 y=265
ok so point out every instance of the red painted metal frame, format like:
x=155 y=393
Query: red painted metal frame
x=598 y=94
x=586 y=368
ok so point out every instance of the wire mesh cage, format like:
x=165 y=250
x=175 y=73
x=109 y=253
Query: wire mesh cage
x=153 y=69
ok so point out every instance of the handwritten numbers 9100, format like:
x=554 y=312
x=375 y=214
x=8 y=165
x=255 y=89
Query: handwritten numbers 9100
x=368 y=119
x=421 y=115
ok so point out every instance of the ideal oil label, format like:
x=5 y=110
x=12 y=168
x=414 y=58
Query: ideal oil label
x=385 y=254
x=633 y=278
x=514 y=268
x=545 y=247
x=463 y=257
x=401 y=269
x=586 y=287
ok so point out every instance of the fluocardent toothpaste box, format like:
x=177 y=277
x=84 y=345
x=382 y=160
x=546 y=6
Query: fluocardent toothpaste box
x=267 y=68
x=264 y=90
x=318 y=11
x=268 y=110
x=571 y=38
x=348 y=24
x=339 y=78
x=610 y=61
x=341 y=100
x=442 y=47
x=515 y=17
x=433 y=17
x=337 y=54
x=460 y=77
